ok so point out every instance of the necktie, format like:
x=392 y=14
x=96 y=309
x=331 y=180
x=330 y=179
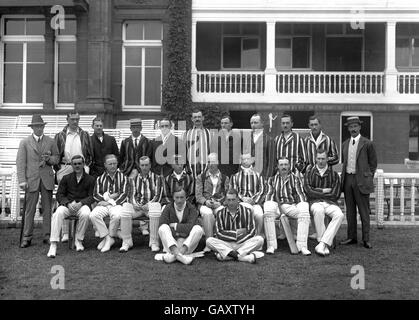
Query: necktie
x=353 y=141
x=136 y=142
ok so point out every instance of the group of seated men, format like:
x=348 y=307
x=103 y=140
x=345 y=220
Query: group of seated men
x=231 y=194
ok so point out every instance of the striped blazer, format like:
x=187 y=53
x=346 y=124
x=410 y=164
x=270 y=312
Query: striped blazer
x=162 y=153
x=186 y=182
x=313 y=183
x=288 y=190
x=250 y=185
x=129 y=156
x=227 y=225
x=293 y=149
x=326 y=143
x=146 y=189
x=198 y=143
x=104 y=183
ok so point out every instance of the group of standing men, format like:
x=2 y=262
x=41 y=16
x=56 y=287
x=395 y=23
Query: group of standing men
x=227 y=185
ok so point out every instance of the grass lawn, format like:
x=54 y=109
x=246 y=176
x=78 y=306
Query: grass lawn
x=391 y=271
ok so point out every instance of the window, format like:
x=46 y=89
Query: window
x=293 y=46
x=414 y=138
x=142 y=65
x=241 y=46
x=407 y=45
x=65 y=65
x=23 y=71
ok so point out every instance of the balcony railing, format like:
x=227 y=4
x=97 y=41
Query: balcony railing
x=408 y=83
x=230 y=82
x=330 y=82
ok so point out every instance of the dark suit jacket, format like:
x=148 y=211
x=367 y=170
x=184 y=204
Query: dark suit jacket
x=70 y=190
x=129 y=158
x=184 y=227
x=228 y=151
x=262 y=151
x=100 y=150
x=162 y=154
x=366 y=164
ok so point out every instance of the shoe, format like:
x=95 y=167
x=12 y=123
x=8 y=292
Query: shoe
x=64 y=238
x=305 y=252
x=169 y=258
x=313 y=236
x=184 y=259
x=270 y=250
x=155 y=248
x=251 y=258
x=326 y=250
x=206 y=249
x=25 y=243
x=125 y=247
x=348 y=241
x=101 y=244
x=145 y=232
x=108 y=244
x=320 y=249
x=46 y=240
x=219 y=257
x=52 y=251
x=97 y=235
x=79 y=245
x=367 y=245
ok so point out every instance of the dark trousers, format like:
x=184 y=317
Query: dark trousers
x=46 y=203
x=354 y=198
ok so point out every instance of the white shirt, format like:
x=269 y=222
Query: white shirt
x=351 y=166
x=178 y=176
x=72 y=145
x=138 y=139
x=318 y=140
x=256 y=135
x=322 y=171
x=214 y=180
x=100 y=138
x=36 y=137
x=246 y=170
x=179 y=212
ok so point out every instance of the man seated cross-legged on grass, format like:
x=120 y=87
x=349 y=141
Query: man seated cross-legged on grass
x=235 y=232
x=75 y=197
x=322 y=186
x=111 y=191
x=179 y=229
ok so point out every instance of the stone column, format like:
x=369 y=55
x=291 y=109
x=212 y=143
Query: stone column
x=270 y=71
x=49 y=102
x=390 y=70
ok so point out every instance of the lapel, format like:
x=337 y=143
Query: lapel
x=34 y=144
x=361 y=144
x=345 y=148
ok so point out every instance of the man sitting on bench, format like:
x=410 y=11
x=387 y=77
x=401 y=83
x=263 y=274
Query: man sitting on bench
x=322 y=186
x=75 y=197
x=145 y=197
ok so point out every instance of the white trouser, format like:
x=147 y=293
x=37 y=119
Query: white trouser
x=225 y=247
x=100 y=212
x=298 y=211
x=63 y=212
x=191 y=242
x=208 y=219
x=319 y=210
x=128 y=213
x=258 y=217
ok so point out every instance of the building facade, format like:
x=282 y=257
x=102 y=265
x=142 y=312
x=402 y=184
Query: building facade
x=335 y=58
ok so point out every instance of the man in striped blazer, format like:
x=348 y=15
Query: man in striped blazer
x=198 y=143
x=317 y=139
x=235 y=232
x=178 y=178
x=285 y=195
x=211 y=187
x=145 y=197
x=289 y=144
x=322 y=186
x=111 y=192
x=132 y=149
x=250 y=186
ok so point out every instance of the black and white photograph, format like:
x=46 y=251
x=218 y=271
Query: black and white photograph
x=206 y=156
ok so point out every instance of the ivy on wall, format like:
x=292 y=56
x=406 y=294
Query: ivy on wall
x=177 y=100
